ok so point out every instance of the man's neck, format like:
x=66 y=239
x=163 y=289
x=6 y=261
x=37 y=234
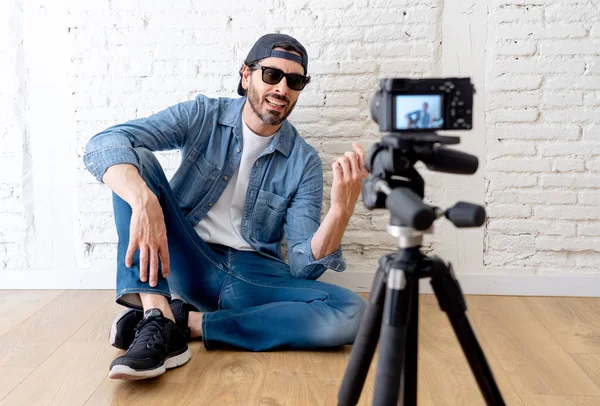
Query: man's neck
x=255 y=124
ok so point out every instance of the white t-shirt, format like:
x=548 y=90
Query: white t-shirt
x=222 y=224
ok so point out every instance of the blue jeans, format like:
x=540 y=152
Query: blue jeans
x=251 y=301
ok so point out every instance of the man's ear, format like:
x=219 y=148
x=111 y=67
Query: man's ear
x=246 y=72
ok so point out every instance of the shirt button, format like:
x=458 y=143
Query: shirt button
x=237 y=150
x=210 y=205
x=225 y=177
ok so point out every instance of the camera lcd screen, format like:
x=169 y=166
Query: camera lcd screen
x=418 y=111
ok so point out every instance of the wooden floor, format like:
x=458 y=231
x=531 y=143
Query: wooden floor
x=54 y=351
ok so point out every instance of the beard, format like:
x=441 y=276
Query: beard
x=270 y=117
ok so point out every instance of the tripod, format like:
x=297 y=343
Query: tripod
x=393 y=307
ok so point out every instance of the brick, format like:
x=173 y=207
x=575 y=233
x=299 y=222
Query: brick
x=572 y=181
x=532 y=227
x=535 y=31
x=538 y=66
x=581 y=114
x=591 y=133
x=570 y=47
x=585 y=83
x=511 y=149
x=516 y=99
x=514 y=115
x=508 y=211
x=536 y=132
x=513 y=82
x=510 y=243
x=592 y=98
x=593 y=165
x=512 y=180
x=567 y=212
x=545 y=196
x=342 y=99
x=563 y=244
x=563 y=99
x=519 y=15
x=589 y=229
x=567 y=165
x=589 y=198
x=581 y=149
x=517 y=48
x=519 y=165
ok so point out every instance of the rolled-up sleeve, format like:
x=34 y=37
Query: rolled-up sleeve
x=302 y=222
x=165 y=130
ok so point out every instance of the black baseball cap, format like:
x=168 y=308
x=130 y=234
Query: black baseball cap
x=263 y=48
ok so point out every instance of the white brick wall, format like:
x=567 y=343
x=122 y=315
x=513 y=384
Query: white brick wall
x=537 y=131
x=542 y=150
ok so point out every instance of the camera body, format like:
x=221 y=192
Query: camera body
x=423 y=105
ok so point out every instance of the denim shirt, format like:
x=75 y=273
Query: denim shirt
x=285 y=189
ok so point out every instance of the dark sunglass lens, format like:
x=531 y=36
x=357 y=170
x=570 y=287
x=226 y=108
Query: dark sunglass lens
x=295 y=82
x=272 y=76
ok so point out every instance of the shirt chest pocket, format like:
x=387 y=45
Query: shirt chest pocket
x=194 y=179
x=269 y=216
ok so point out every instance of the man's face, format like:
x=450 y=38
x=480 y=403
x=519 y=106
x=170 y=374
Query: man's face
x=425 y=105
x=271 y=103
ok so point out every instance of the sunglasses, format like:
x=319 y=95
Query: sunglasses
x=272 y=76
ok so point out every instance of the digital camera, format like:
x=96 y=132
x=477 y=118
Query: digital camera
x=423 y=105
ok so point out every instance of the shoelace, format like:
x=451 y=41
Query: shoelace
x=148 y=331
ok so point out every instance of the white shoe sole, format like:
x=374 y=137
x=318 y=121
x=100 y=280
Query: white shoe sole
x=112 y=338
x=124 y=372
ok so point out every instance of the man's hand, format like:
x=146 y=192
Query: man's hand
x=147 y=231
x=348 y=174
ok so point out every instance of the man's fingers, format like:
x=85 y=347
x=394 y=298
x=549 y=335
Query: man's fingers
x=337 y=171
x=361 y=158
x=153 y=267
x=345 y=164
x=354 y=163
x=130 y=252
x=165 y=260
x=143 y=263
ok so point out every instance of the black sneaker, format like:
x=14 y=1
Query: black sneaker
x=122 y=331
x=158 y=345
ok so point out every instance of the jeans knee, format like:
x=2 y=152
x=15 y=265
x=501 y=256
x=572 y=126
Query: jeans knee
x=150 y=168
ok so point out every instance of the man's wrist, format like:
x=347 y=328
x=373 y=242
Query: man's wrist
x=340 y=213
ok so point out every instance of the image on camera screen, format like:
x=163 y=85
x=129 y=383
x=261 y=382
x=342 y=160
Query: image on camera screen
x=418 y=111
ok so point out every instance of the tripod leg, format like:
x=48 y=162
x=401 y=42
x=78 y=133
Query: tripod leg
x=365 y=342
x=452 y=301
x=392 y=342
x=408 y=388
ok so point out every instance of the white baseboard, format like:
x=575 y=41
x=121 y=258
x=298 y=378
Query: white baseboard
x=481 y=284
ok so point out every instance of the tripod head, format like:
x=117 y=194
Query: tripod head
x=395 y=184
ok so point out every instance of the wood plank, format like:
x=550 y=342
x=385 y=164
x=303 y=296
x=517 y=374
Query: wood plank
x=445 y=377
x=97 y=328
x=590 y=363
x=143 y=393
x=225 y=377
x=10 y=378
x=31 y=342
x=18 y=305
x=556 y=400
x=68 y=377
x=303 y=377
x=571 y=321
x=531 y=357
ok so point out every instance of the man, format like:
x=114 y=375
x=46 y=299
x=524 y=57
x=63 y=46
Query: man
x=210 y=239
x=418 y=118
